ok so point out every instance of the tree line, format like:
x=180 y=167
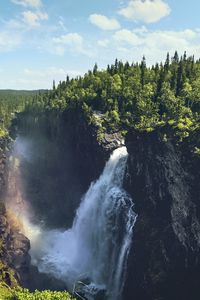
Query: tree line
x=133 y=95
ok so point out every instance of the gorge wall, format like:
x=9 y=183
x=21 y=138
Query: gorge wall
x=163 y=179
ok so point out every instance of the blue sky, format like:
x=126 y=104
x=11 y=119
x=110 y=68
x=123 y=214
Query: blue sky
x=42 y=40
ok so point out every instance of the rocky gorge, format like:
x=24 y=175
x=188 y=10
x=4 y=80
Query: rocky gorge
x=162 y=178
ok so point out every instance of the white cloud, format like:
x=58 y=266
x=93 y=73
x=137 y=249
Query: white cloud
x=32 y=78
x=148 y=11
x=28 y=3
x=103 y=43
x=9 y=41
x=69 y=39
x=36 y=78
x=127 y=36
x=170 y=39
x=58 y=50
x=103 y=22
x=160 y=39
x=33 y=19
x=154 y=44
x=70 y=42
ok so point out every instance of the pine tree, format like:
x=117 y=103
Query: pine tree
x=54 y=85
x=95 y=69
x=167 y=62
x=143 y=70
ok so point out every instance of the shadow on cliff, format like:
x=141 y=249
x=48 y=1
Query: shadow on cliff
x=163 y=179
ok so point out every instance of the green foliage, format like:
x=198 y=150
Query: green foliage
x=12 y=101
x=113 y=120
x=6 y=293
x=3 y=132
x=133 y=96
x=130 y=96
x=197 y=151
x=101 y=133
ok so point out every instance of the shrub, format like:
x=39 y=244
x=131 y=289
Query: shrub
x=6 y=293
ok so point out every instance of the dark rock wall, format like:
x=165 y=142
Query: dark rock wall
x=164 y=262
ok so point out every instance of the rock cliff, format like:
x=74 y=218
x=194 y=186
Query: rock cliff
x=162 y=177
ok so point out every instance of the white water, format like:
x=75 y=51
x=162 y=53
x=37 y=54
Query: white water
x=96 y=248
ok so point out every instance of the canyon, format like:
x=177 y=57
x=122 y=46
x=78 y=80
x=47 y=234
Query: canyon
x=160 y=182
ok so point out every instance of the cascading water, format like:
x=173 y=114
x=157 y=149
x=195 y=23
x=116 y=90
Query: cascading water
x=91 y=257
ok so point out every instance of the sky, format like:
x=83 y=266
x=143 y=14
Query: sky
x=43 y=40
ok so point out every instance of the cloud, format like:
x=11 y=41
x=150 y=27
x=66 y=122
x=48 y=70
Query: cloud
x=103 y=22
x=43 y=78
x=148 y=11
x=33 y=18
x=9 y=41
x=58 y=50
x=160 y=39
x=154 y=44
x=127 y=36
x=171 y=39
x=37 y=78
x=28 y=3
x=70 y=42
x=103 y=43
x=69 y=39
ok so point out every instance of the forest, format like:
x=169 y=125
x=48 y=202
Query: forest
x=126 y=96
x=11 y=102
x=132 y=97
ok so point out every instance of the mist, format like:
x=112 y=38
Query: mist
x=94 y=250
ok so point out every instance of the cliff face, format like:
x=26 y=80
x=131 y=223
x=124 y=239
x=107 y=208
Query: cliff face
x=65 y=157
x=91 y=153
x=14 y=246
x=164 y=261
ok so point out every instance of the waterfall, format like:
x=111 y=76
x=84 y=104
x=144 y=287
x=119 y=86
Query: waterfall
x=95 y=249
x=91 y=257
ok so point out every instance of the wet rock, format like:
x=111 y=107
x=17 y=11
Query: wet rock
x=112 y=141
